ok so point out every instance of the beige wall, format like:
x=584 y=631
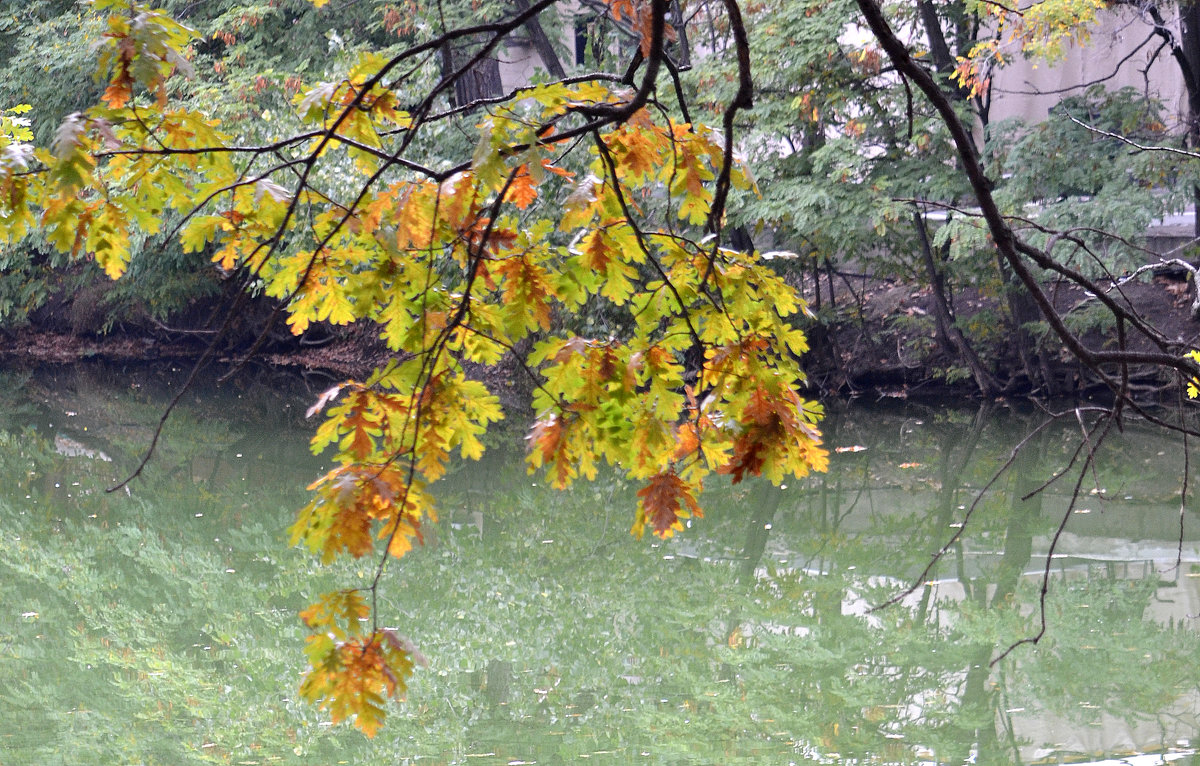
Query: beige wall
x=1016 y=88
x=518 y=64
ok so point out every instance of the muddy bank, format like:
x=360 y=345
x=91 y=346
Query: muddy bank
x=63 y=332
x=346 y=355
x=872 y=336
x=880 y=336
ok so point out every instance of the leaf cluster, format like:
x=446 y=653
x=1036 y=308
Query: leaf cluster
x=333 y=207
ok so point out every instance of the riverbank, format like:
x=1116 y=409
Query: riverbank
x=880 y=336
x=873 y=336
x=350 y=353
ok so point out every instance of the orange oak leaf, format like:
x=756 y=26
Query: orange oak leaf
x=354 y=678
x=117 y=95
x=522 y=191
x=747 y=457
x=546 y=437
x=688 y=441
x=664 y=502
x=548 y=164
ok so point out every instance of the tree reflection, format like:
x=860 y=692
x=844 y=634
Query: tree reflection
x=916 y=681
x=553 y=635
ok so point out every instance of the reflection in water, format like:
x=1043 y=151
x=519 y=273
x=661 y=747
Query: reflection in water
x=981 y=596
x=158 y=626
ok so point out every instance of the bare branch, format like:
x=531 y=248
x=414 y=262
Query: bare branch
x=1131 y=142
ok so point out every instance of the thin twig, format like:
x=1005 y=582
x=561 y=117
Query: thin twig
x=1131 y=142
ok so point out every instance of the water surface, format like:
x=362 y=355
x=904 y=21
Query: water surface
x=158 y=625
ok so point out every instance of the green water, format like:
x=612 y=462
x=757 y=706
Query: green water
x=157 y=626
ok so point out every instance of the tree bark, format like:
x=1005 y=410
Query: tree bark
x=943 y=61
x=949 y=335
x=1190 y=44
x=471 y=83
x=1186 y=52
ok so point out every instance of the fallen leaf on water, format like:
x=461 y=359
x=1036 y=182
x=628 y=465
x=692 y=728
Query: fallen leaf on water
x=855 y=448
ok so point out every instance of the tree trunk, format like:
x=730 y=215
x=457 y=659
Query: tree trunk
x=949 y=336
x=683 y=47
x=1189 y=23
x=471 y=83
x=943 y=61
x=1186 y=52
x=765 y=503
x=1023 y=310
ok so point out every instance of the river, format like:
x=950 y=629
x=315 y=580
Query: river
x=157 y=625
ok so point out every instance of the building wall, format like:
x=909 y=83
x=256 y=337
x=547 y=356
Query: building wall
x=1122 y=51
x=518 y=65
x=1028 y=89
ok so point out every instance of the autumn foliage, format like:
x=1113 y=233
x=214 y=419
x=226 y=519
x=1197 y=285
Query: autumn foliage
x=578 y=193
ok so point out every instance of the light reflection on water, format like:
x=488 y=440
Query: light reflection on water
x=158 y=626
